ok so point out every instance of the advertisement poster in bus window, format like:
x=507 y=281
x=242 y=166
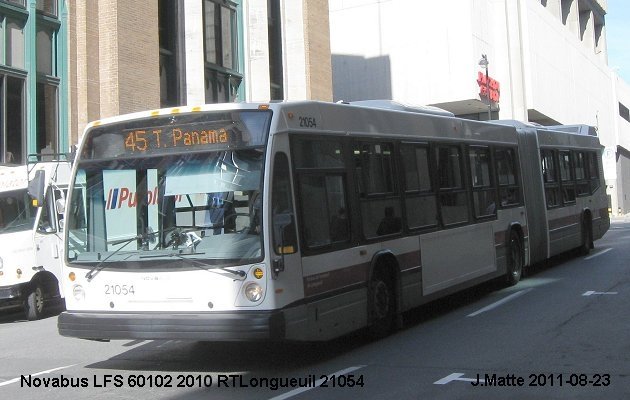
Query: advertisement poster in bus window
x=121 y=206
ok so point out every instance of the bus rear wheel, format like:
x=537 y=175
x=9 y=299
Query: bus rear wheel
x=381 y=306
x=34 y=305
x=515 y=259
x=587 y=236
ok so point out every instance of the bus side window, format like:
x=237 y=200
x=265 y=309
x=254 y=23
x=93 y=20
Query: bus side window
x=593 y=171
x=453 y=198
x=509 y=190
x=321 y=173
x=567 y=177
x=582 y=185
x=484 y=194
x=420 y=198
x=380 y=201
x=550 y=177
x=282 y=216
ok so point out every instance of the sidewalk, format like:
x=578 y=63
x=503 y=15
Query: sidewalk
x=620 y=219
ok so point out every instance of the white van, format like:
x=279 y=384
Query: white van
x=32 y=199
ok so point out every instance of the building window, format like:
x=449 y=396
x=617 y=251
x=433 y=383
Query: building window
x=624 y=112
x=222 y=79
x=46 y=97
x=45 y=51
x=16 y=2
x=47 y=6
x=171 y=58
x=12 y=86
x=47 y=141
x=274 y=33
x=14 y=43
x=12 y=134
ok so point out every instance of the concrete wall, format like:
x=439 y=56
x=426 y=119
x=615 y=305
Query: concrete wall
x=550 y=61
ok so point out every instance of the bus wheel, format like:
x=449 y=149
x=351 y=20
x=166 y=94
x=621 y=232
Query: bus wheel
x=515 y=259
x=587 y=236
x=34 y=305
x=381 y=306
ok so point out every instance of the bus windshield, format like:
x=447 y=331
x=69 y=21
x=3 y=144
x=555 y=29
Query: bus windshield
x=203 y=206
x=16 y=211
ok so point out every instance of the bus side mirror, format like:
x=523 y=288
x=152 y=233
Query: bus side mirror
x=284 y=230
x=285 y=226
x=36 y=188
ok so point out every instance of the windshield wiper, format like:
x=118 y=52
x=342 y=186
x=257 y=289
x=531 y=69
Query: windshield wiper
x=238 y=274
x=147 y=237
x=177 y=239
x=98 y=267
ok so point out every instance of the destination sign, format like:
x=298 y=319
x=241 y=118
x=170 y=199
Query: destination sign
x=182 y=133
x=149 y=140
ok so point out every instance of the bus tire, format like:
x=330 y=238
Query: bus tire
x=587 y=236
x=515 y=259
x=34 y=304
x=381 y=305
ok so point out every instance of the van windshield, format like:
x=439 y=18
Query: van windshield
x=16 y=211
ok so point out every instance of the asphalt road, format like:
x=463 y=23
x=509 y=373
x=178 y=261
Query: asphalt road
x=562 y=333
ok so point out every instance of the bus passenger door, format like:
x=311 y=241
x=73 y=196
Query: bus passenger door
x=286 y=262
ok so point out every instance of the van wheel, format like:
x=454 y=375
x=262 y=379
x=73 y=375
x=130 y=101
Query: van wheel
x=381 y=306
x=515 y=259
x=34 y=306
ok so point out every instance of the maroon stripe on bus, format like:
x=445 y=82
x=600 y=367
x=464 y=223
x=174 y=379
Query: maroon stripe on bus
x=352 y=275
x=564 y=221
x=500 y=237
x=335 y=279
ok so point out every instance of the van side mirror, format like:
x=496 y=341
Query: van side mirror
x=36 y=188
x=60 y=206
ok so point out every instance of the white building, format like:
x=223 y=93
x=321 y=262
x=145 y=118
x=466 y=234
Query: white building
x=546 y=59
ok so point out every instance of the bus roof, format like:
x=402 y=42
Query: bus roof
x=578 y=129
x=393 y=105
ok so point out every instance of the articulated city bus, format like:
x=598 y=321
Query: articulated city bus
x=309 y=220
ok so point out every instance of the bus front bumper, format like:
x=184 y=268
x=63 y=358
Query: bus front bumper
x=216 y=326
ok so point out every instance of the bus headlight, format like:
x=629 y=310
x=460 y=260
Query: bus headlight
x=78 y=292
x=253 y=292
